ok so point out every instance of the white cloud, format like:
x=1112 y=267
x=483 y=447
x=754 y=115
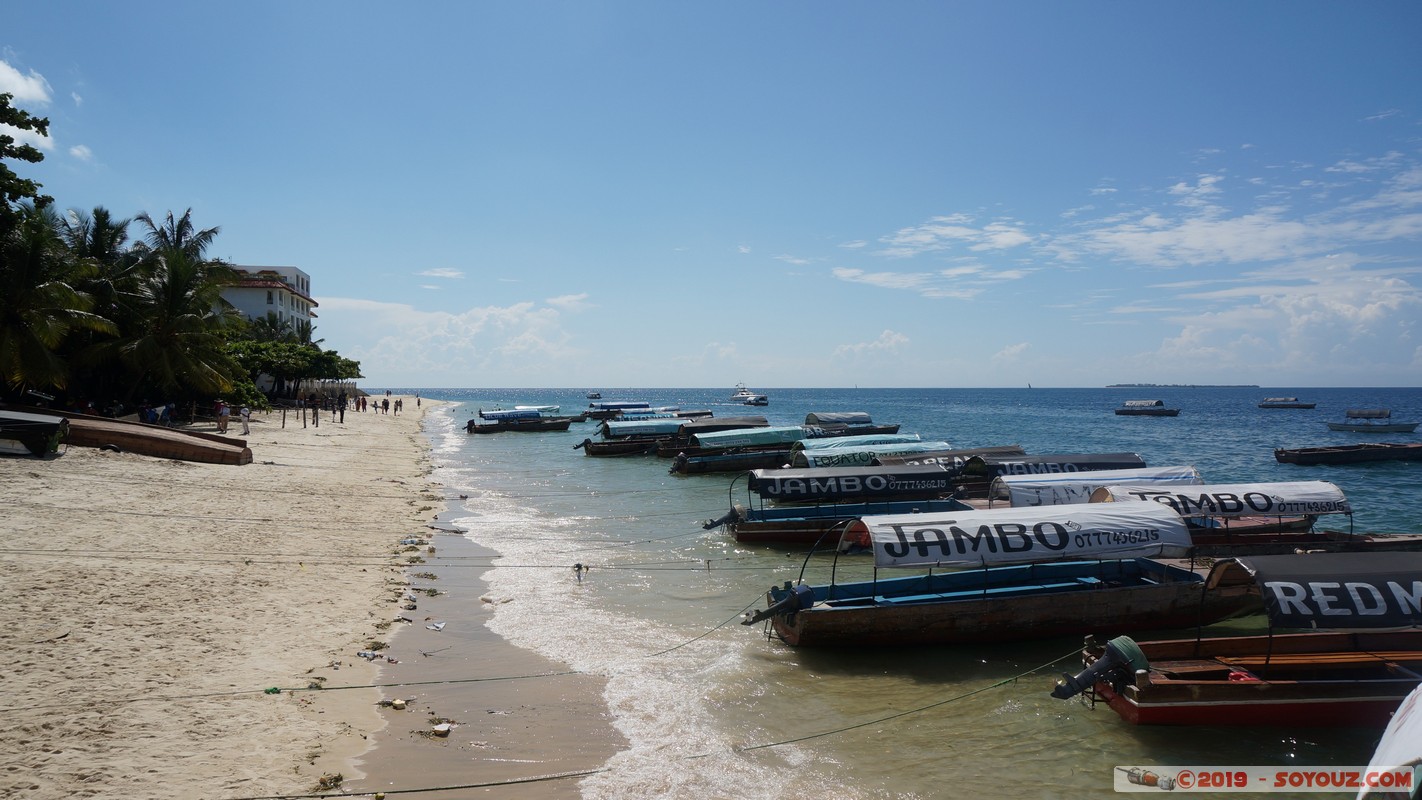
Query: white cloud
x=441 y=272
x=796 y=260
x=743 y=249
x=887 y=342
x=1010 y=352
x=945 y=232
x=569 y=302
x=78 y=101
x=885 y=280
x=31 y=88
x=81 y=152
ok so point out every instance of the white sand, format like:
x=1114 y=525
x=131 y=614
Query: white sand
x=151 y=603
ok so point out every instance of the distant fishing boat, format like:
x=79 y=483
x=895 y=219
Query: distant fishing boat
x=1146 y=408
x=1371 y=420
x=1284 y=402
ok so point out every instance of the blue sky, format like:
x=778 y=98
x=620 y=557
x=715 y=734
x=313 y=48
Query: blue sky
x=600 y=194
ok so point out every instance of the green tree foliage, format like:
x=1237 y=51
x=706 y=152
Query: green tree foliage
x=85 y=311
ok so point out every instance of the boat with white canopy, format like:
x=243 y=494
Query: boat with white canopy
x=1076 y=487
x=1014 y=573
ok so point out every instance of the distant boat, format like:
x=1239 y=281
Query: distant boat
x=1371 y=420
x=747 y=397
x=1284 y=402
x=594 y=395
x=1147 y=408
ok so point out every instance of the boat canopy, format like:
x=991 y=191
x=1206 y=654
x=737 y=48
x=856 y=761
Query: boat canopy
x=1284 y=498
x=722 y=424
x=540 y=409
x=1369 y=413
x=1076 y=487
x=838 y=418
x=516 y=413
x=861 y=456
x=642 y=426
x=833 y=484
x=670 y=411
x=1050 y=464
x=746 y=437
x=1281 y=400
x=1144 y=403
x=617 y=405
x=858 y=440
x=952 y=459
x=1333 y=590
x=999 y=536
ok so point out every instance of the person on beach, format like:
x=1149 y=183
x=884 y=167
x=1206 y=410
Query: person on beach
x=224 y=415
x=385 y=406
x=246 y=416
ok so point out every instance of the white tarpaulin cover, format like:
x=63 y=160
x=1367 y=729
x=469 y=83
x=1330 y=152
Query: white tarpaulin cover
x=857 y=440
x=1285 y=498
x=1020 y=535
x=1076 y=487
x=861 y=455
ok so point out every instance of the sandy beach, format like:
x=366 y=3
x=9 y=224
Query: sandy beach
x=186 y=630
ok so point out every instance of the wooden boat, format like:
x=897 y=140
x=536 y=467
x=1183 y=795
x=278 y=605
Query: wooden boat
x=608 y=409
x=25 y=433
x=844 y=484
x=632 y=446
x=1350 y=453
x=810 y=525
x=951 y=459
x=1147 y=408
x=733 y=460
x=978 y=472
x=1284 y=402
x=848 y=423
x=1371 y=420
x=157 y=441
x=859 y=451
x=1026 y=573
x=1076 y=487
x=1348 y=671
x=527 y=424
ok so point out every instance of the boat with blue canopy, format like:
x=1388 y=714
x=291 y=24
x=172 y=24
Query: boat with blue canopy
x=861 y=456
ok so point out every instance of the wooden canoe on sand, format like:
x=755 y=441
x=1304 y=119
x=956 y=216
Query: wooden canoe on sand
x=152 y=440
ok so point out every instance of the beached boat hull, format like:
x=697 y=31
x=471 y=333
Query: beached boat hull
x=1350 y=454
x=157 y=441
x=1327 y=679
x=1005 y=604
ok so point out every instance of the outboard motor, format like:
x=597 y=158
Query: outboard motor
x=799 y=597
x=733 y=515
x=1121 y=653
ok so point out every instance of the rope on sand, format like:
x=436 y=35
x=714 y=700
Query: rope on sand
x=557 y=776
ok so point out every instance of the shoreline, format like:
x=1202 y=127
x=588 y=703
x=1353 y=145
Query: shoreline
x=174 y=619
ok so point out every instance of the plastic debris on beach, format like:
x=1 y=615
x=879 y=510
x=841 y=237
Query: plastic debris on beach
x=435 y=626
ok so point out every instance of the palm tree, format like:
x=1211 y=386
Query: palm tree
x=185 y=321
x=174 y=234
x=39 y=305
x=112 y=280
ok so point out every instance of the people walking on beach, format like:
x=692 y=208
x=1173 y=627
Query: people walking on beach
x=385 y=406
x=224 y=414
x=246 y=416
x=313 y=401
x=341 y=406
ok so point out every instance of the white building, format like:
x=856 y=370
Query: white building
x=283 y=291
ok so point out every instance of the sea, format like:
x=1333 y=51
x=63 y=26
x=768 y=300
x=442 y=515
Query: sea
x=616 y=576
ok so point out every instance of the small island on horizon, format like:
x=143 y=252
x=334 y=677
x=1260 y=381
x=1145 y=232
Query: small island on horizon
x=1182 y=386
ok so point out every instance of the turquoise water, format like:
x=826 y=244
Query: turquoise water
x=715 y=709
